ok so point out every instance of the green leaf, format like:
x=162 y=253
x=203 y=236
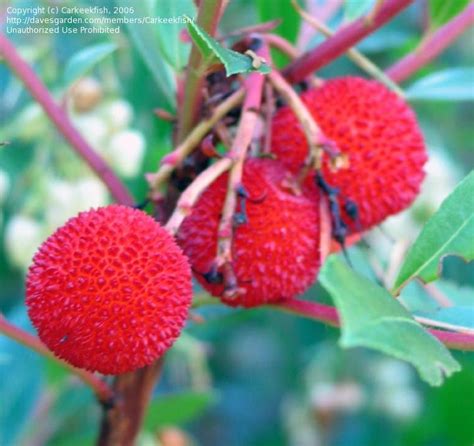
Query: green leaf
x=288 y=28
x=353 y=9
x=84 y=60
x=213 y=52
x=461 y=317
x=454 y=84
x=177 y=408
x=145 y=40
x=280 y=10
x=372 y=318
x=441 y=11
x=173 y=49
x=450 y=231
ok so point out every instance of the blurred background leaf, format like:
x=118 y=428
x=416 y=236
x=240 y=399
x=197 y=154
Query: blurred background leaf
x=454 y=84
x=172 y=44
x=441 y=11
x=169 y=410
x=145 y=40
x=84 y=60
x=21 y=381
x=353 y=9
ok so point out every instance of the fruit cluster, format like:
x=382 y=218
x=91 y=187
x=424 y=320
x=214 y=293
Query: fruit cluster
x=110 y=290
x=276 y=254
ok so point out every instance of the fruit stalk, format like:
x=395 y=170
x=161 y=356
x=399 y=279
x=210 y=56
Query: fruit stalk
x=245 y=131
x=60 y=119
x=433 y=45
x=191 y=194
x=174 y=158
x=313 y=133
x=341 y=41
x=102 y=391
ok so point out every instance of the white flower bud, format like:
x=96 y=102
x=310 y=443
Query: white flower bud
x=23 y=235
x=93 y=129
x=90 y=193
x=118 y=114
x=403 y=403
x=126 y=150
x=66 y=199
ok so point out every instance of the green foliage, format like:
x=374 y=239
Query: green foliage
x=449 y=231
x=353 y=9
x=143 y=37
x=372 y=318
x=84 y=60
x=288 y=28
x=177 y=408
x=441 y=11
x=453 y=84
x=20 y=383
x=213 y=52
x=172 y=47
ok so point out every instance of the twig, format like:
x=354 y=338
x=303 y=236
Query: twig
x=281 y=44
x=208 y=16
x=60 y=119
x=433 y=45
x=122 y=422
x=193 y=192
x=100 y=388
x=328 y=315
x=176 y=157
x=357 y=57
x=243 y=138
x=258 y=28
x=341 y=41
x=324 y=12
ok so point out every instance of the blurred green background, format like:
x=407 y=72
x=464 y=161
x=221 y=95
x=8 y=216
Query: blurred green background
x=242 y=378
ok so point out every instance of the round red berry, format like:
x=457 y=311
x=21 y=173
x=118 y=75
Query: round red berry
x=109 y=291
x=377 y=131
x=275 y=252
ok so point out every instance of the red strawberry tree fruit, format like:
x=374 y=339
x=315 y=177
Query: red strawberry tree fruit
x=275 y=171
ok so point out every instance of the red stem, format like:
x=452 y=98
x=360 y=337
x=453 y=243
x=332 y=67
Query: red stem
x=57 y=115
x=100 y=388
x=432 y=45
x=341 y=41
x=328 y=315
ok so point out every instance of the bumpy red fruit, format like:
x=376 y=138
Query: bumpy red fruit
x=379 y=133
x=109 y=291
x=275 y=254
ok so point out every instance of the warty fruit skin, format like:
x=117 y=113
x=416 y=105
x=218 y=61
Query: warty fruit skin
x=379 y=133
x=109 y=291
x=275 y=254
